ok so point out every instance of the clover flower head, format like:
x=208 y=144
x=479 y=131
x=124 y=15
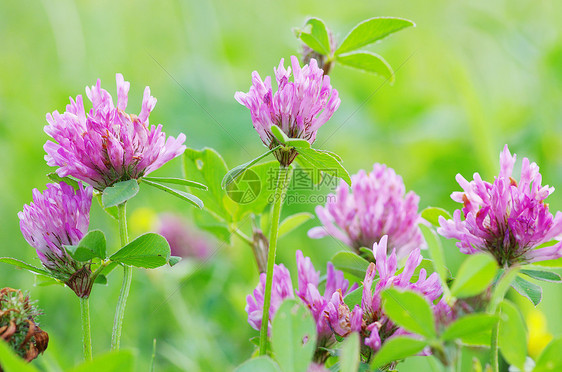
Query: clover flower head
x=57 y=217
x=299 y=107
x=507 y=218
x=308 y=292
x=376 y=205
x=184 y=239
x=107 y=145
x=369 y=319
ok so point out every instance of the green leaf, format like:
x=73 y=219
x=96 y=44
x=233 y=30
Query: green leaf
x=469 y=325
x=366 y=253
x=432 y=214
x=483 y=339
x=265 y=221
x=546 y=276
x=502 y=286
x=350 y=353
x=53 y=176
x=292 y=222
x=298 y=143
x=208 y=167
x=44 y=281
x=149 y=251
x=259 y=364
x=474 y=276
x=550 y=360
x=92 y=245
x=293 y=336
x=236 y=171
x=112 y=211
x=23 y=265
x=315 y=35
x=109 y=268
x=550 y=263
x=429 y=268
x=350 y=263
x=354 y=297
x=308 y=169
x=115 y=361
x=409 y=310
x=177 y=181
x=397 y=348
x=436 y=252
x=191 y=199
x=512 y=336
x=527 y=289
x=174 y=260
x=256 y=186
x=11 y=362
x=279 y=135
x=325 y=162
x=206 y=221
x=119 y=193
x=367 y=62
x=332 y=154
x=101 y=279
x=371 y=30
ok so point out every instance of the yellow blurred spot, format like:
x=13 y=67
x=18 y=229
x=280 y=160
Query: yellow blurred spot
x=539 y=337
x=142 y=220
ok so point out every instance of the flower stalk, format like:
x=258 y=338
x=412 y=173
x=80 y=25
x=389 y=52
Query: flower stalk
x=86 y=331
x=494 y=348
x=281 y=189
x=127 y=279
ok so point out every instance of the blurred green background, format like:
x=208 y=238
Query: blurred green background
x=471 y=77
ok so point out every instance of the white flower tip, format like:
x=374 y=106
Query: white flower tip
x=317 y=232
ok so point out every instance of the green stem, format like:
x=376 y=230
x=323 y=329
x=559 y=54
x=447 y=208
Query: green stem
x=86 y=332
x=509 y=274
x=459 y=357
x=281 y=189
x=242 y=236
x=127 y=279
x=494 y=348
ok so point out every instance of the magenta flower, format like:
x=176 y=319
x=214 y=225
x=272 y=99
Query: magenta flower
x=376 y=205
x=309 y=280
x=184 y=240
x=299 y=107
x=369 y=319
x=281 y=289
x=315 y=367
x=58 y=217
x=107 y=145
x=508 y=219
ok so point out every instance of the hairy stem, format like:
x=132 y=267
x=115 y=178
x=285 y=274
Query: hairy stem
x=281 y=189
x=242 y=236
x=86 y=332
x=494 y=348
x=127 y=278
x=510 y=274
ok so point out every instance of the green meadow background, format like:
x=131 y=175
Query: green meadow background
x=470 y=78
